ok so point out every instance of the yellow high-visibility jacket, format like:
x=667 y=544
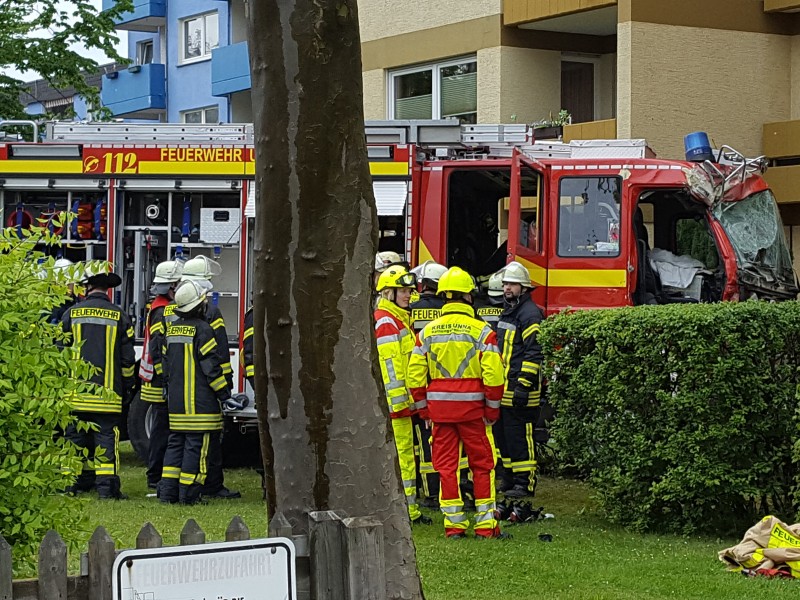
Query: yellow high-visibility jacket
x=456 y=370
x=395 y=343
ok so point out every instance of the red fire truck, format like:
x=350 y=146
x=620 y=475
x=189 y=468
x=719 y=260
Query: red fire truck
x=598 y=223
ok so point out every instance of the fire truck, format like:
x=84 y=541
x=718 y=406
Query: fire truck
x=598 y=223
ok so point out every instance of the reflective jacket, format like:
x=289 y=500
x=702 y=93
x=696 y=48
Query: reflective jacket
x=156 y=323
x=426 y=309
x=395 y=343
x=517 y=334
x=456 y=369
x=247 y=347
x=107 y=337
x=193 y=376
x=488 y=312
x=214 y=318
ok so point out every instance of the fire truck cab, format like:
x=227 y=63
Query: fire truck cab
x=598 y=223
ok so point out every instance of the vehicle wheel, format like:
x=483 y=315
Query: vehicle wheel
x=139 y=421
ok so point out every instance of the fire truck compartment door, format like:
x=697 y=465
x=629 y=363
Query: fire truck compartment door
x=390 y=197
x=180 y=184
x=56 y=183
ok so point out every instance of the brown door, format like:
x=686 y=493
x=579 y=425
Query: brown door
x=577 y=90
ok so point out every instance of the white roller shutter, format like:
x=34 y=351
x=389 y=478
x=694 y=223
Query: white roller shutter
x=390 y=197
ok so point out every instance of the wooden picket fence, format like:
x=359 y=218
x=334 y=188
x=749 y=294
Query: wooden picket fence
x=340 y=559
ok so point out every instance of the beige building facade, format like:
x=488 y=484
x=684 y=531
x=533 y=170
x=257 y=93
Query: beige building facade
x=650 y=69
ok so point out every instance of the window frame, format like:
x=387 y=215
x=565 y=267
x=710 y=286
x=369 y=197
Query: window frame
x=436 y=83
x=182 y=58
x=202 y=110
x=140 y=51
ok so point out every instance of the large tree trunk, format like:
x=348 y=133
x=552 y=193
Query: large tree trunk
x=322 y=413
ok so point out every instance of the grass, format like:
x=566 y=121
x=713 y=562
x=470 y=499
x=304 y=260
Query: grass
x=588 y=558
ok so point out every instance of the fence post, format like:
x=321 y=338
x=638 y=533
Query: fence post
x=280 y=526
x=6 y=570
x=53 y=567
x=148 y=537
x=102 y=552
x=192 y=534
x=326 y=546
x=364 y=564
x=237 y=531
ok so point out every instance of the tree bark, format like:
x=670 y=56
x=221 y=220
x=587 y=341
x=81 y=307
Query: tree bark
x=322 y=412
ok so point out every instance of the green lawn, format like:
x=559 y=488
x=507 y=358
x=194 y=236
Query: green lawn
x=588 y=557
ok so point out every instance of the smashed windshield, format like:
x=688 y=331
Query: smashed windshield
x=754 y=228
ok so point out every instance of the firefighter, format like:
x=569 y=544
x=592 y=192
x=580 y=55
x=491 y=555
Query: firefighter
x=247 y=348
x=456 y=377
x=151 y=369
x=489 y=304
x=106 y=336
x=517 y=337
x=62 y=266
x=202 y=269
x=196 y=388
x=427 y=308
x=395 y=342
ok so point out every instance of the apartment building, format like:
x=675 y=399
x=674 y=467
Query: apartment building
x=651 y=69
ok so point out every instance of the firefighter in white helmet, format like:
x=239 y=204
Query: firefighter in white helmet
x=65 y=268
x=202 y=269
x=196 y=390
x=151 y=368
x=517 y=337
x=395 y=342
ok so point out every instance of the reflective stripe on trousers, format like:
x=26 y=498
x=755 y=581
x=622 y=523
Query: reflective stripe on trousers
x=404 y=441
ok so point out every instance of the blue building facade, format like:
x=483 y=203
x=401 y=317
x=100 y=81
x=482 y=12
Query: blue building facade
x=189 y=63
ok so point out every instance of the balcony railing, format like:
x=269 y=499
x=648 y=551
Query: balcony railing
x=138 y=92
x=781 y=144
x=230 y=69
x=591 y=130
x=517 y=12
x=147 y=15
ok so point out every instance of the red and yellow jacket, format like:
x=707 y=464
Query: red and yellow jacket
x=395 y=343
x=456 y=368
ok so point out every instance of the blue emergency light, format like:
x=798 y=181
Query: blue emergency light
x=697 y=147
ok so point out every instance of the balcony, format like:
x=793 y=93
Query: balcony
x=590 y=17
x=139 y=92
x=781 y=6
x=147 y=15
x=591 y=130
x=781 y=144
x=230 y=69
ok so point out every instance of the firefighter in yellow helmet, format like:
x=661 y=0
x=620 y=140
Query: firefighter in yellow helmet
x=395 y=342
x=456 y=377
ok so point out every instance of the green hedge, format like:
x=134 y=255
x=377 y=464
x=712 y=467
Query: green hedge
x=683 y=417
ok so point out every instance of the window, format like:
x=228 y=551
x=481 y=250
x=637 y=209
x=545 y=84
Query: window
x=210 y=114
x=144 y=52
x=588 y=219
x=199 y=35
x=435 y=92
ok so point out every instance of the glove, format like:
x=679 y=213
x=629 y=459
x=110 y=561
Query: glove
x=235 y=403
x=520 y=399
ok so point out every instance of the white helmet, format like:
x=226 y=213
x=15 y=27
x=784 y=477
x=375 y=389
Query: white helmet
x=429 y=272
x=189 y=295
x=514 y=272
x=495 y=285
x=200 y=267
x=62 y=264
x=168 y=271
x=383 y=260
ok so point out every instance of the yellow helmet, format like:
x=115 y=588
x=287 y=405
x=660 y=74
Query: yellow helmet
x=396 y=276
x=456 y=279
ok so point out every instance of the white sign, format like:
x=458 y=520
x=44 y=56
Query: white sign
x=261 y=569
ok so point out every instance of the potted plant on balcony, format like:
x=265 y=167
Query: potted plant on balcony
x=552 y=129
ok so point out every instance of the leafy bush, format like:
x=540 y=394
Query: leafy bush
x=36 y=380
x=683 y=417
